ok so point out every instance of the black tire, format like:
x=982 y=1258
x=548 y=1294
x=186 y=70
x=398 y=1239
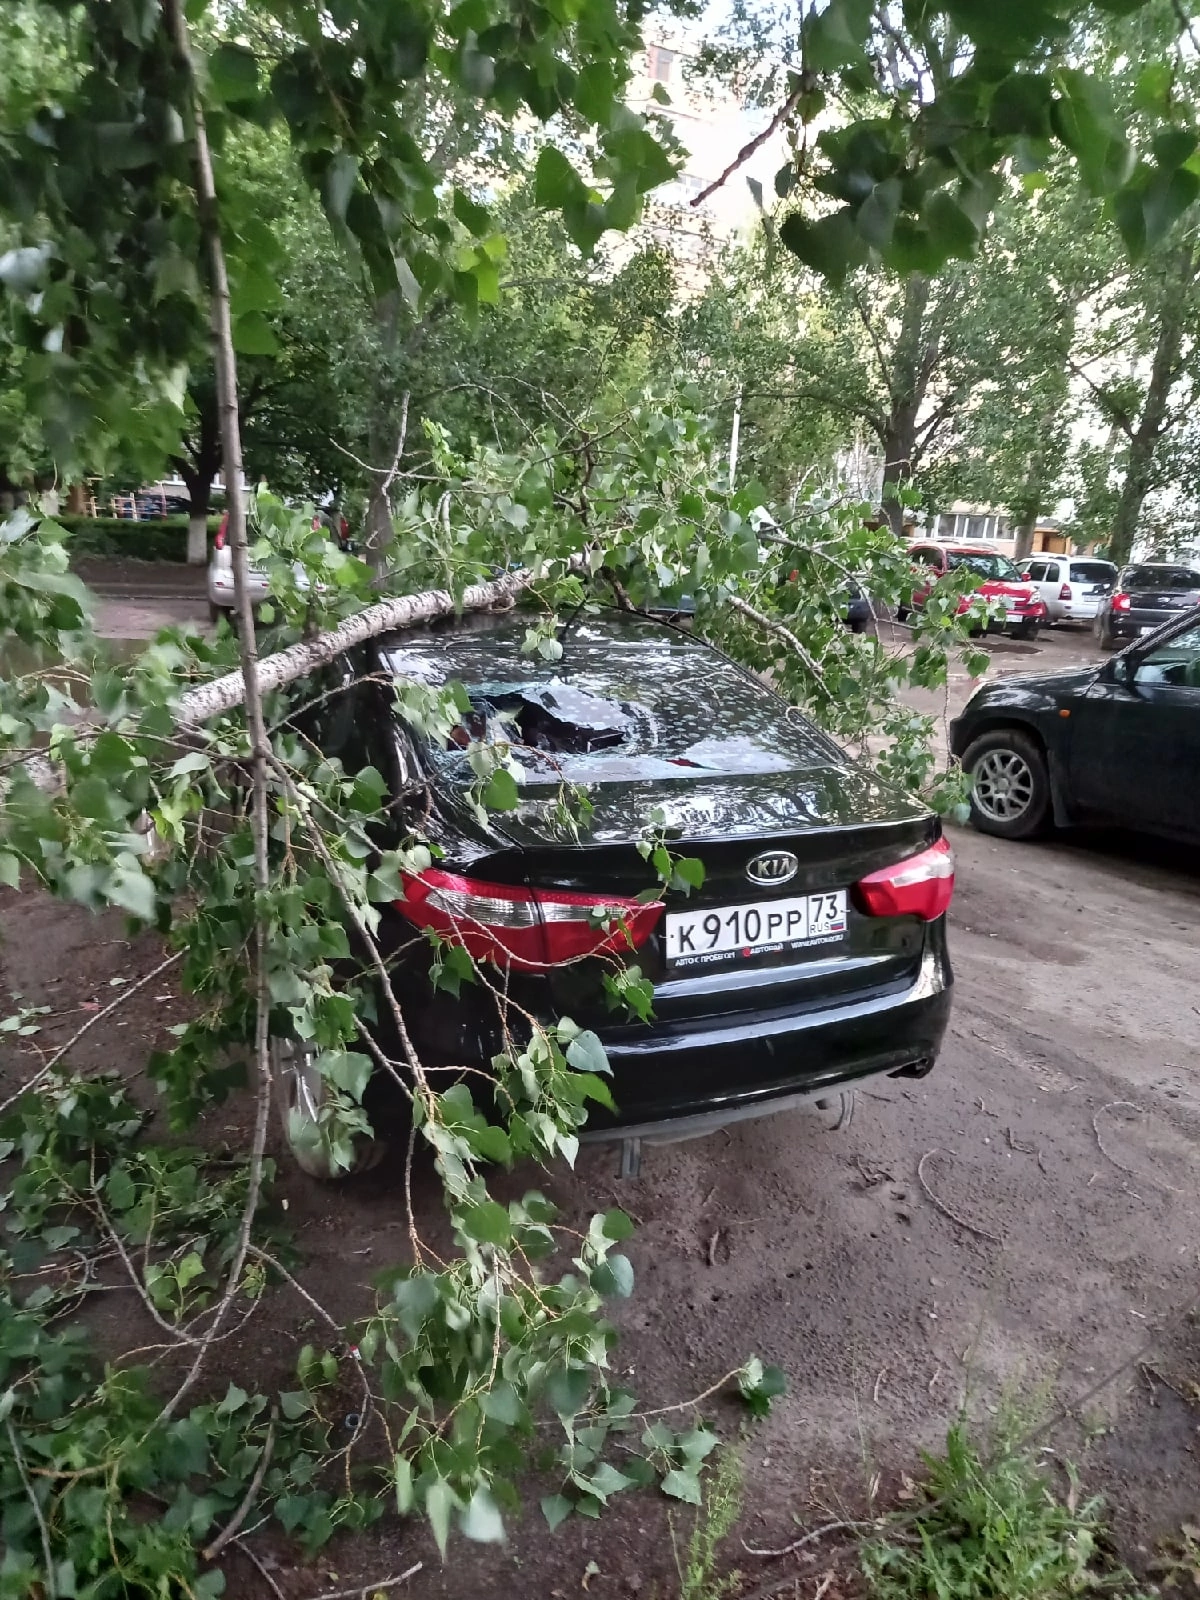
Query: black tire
x=215 y=612
x=1027 y=631
x=298 y=1094
x=1010 y=787
x=902 y=613
x=857 y=624
x=1108 y=641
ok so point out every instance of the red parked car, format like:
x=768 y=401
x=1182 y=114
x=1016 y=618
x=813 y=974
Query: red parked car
x=997 y=579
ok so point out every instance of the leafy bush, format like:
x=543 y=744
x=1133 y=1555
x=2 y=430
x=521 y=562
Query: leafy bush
x=162 y=540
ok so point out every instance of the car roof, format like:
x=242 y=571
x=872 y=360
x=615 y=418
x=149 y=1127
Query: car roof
x=956 y=544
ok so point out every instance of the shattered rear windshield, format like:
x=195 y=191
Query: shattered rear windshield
x=644 y=711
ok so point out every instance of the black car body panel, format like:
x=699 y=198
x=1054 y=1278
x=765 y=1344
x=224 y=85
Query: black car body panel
x=666 y=736
x=1122 y=741
x=1147 y=595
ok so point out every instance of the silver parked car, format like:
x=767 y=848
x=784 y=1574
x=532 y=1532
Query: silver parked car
x=1072 y=587
x=220 y=566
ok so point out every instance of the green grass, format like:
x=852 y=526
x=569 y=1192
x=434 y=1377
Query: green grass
x=697 y=1564
x=994 y=1530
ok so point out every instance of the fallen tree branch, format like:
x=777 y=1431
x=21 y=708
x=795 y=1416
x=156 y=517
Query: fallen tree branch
x=285 y=666
x=971 y=1227
x=781 y=631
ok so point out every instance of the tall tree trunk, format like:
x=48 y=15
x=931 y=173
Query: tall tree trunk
x=906 y=385
x=199 y=488
x=382 y=452
x=77 y=500
x=221 y=322
x=1143 y=441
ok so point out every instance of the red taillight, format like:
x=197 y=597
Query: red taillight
x=1065 y=592
x=921 y=887
x=222 y=530
x=1120 y=602
x=525 y=928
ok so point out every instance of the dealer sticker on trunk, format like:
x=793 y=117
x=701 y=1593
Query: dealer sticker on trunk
x=695 y=938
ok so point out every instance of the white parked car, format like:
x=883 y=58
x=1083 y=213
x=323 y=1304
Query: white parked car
x=220 y=568
x=1072 y=587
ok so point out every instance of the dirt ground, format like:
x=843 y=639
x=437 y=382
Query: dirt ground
x=1020 y=1227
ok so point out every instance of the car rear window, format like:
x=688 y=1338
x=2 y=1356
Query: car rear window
x=1160 y=578
x=620 y=713
x=1092 y=572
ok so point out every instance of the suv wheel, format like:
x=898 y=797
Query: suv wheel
x=300 y=1095
x=1010 y=785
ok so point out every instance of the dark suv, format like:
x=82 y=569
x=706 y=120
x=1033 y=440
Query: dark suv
x=1145 y=596
x=812 y=956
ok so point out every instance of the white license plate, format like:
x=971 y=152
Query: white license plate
x=1145 y=630
x=695 y=938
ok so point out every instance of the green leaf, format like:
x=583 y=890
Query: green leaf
x=698 y=1444
x=402 y=1478
x=477 y=219
x=683 y=1485
x=831 y=245
x=487 y=1222
x=132 y=891
x=254 y=336
x=233 y=73
x=481 y=1520
x=234 y=1400
x=294 y=1403
x=10 y=870
x=349 y=1070
x=615 y=1225
x=501 y=1403
x=555 y=182
x=341 y=177
x=440 y=1500
x=690 y=870
x=556 y=1508
x=586 y=1054
x=500 y=792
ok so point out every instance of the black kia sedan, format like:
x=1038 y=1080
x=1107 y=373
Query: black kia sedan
x=1117 y=744
x=812 y=956
x=1142 y=599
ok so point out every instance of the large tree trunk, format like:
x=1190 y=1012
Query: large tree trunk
x=198 y=470
x=1152 y=423
x=907 y=383
x=385 y=440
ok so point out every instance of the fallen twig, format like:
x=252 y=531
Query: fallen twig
x=229 y=1531
x=50 y=1586
x=883 y=1372
x=806 y=1539
x=239 y=1543
x=91 y=1022
x=712 y=1248
x=1143 y=1177
x=371 y=1586
x=971 y=1227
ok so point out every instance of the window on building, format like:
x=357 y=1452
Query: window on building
x=977 y=527
x=660 y=62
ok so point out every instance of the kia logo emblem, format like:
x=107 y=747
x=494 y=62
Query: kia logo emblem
x=772 y=867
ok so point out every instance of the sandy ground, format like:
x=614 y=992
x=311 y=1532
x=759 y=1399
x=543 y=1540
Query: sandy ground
x=1019 y=1228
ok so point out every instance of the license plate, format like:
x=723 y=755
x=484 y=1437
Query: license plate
x=1145 y=630
x=694 y=938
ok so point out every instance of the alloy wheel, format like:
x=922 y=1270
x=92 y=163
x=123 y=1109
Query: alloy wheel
x=1003 y=785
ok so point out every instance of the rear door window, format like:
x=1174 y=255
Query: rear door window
x=1036 y=571
x=1052 y=572
x=1092 y=572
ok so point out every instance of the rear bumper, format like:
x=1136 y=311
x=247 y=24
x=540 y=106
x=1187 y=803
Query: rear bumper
x=1129 y=624
x=751 y=1064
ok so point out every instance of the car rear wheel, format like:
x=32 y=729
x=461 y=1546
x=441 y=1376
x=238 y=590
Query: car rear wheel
x=1010 y=785
x=1027 y=630
x=300 y=1095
